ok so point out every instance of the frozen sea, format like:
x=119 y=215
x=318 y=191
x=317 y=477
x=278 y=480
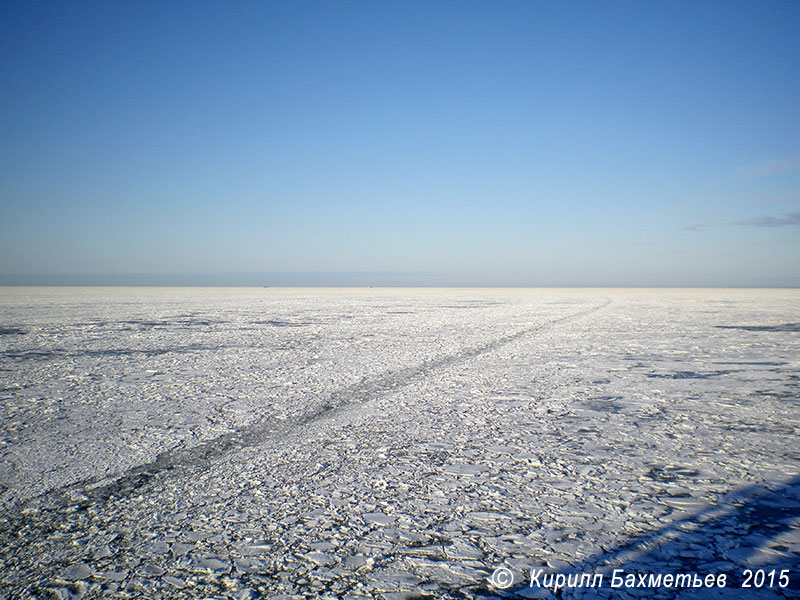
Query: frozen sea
x=398 y=443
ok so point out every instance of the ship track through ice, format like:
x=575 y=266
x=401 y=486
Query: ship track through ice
x=53 y=506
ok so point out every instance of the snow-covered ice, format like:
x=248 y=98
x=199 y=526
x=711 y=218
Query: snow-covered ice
x=359 y=443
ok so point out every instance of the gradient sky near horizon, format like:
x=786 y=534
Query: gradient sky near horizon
x=484 y=143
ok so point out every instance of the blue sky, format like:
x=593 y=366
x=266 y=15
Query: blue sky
x=484 y=143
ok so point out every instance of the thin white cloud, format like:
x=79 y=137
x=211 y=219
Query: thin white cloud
x=776 y=166
x=792 y=218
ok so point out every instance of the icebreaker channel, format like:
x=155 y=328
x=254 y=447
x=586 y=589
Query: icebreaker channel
x=94 y=490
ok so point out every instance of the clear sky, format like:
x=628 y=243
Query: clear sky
x=522 y=143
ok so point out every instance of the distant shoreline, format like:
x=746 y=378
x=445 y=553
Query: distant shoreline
x=342 y=281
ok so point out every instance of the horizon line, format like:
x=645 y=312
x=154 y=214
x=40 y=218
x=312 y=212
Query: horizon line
x=365 y=279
